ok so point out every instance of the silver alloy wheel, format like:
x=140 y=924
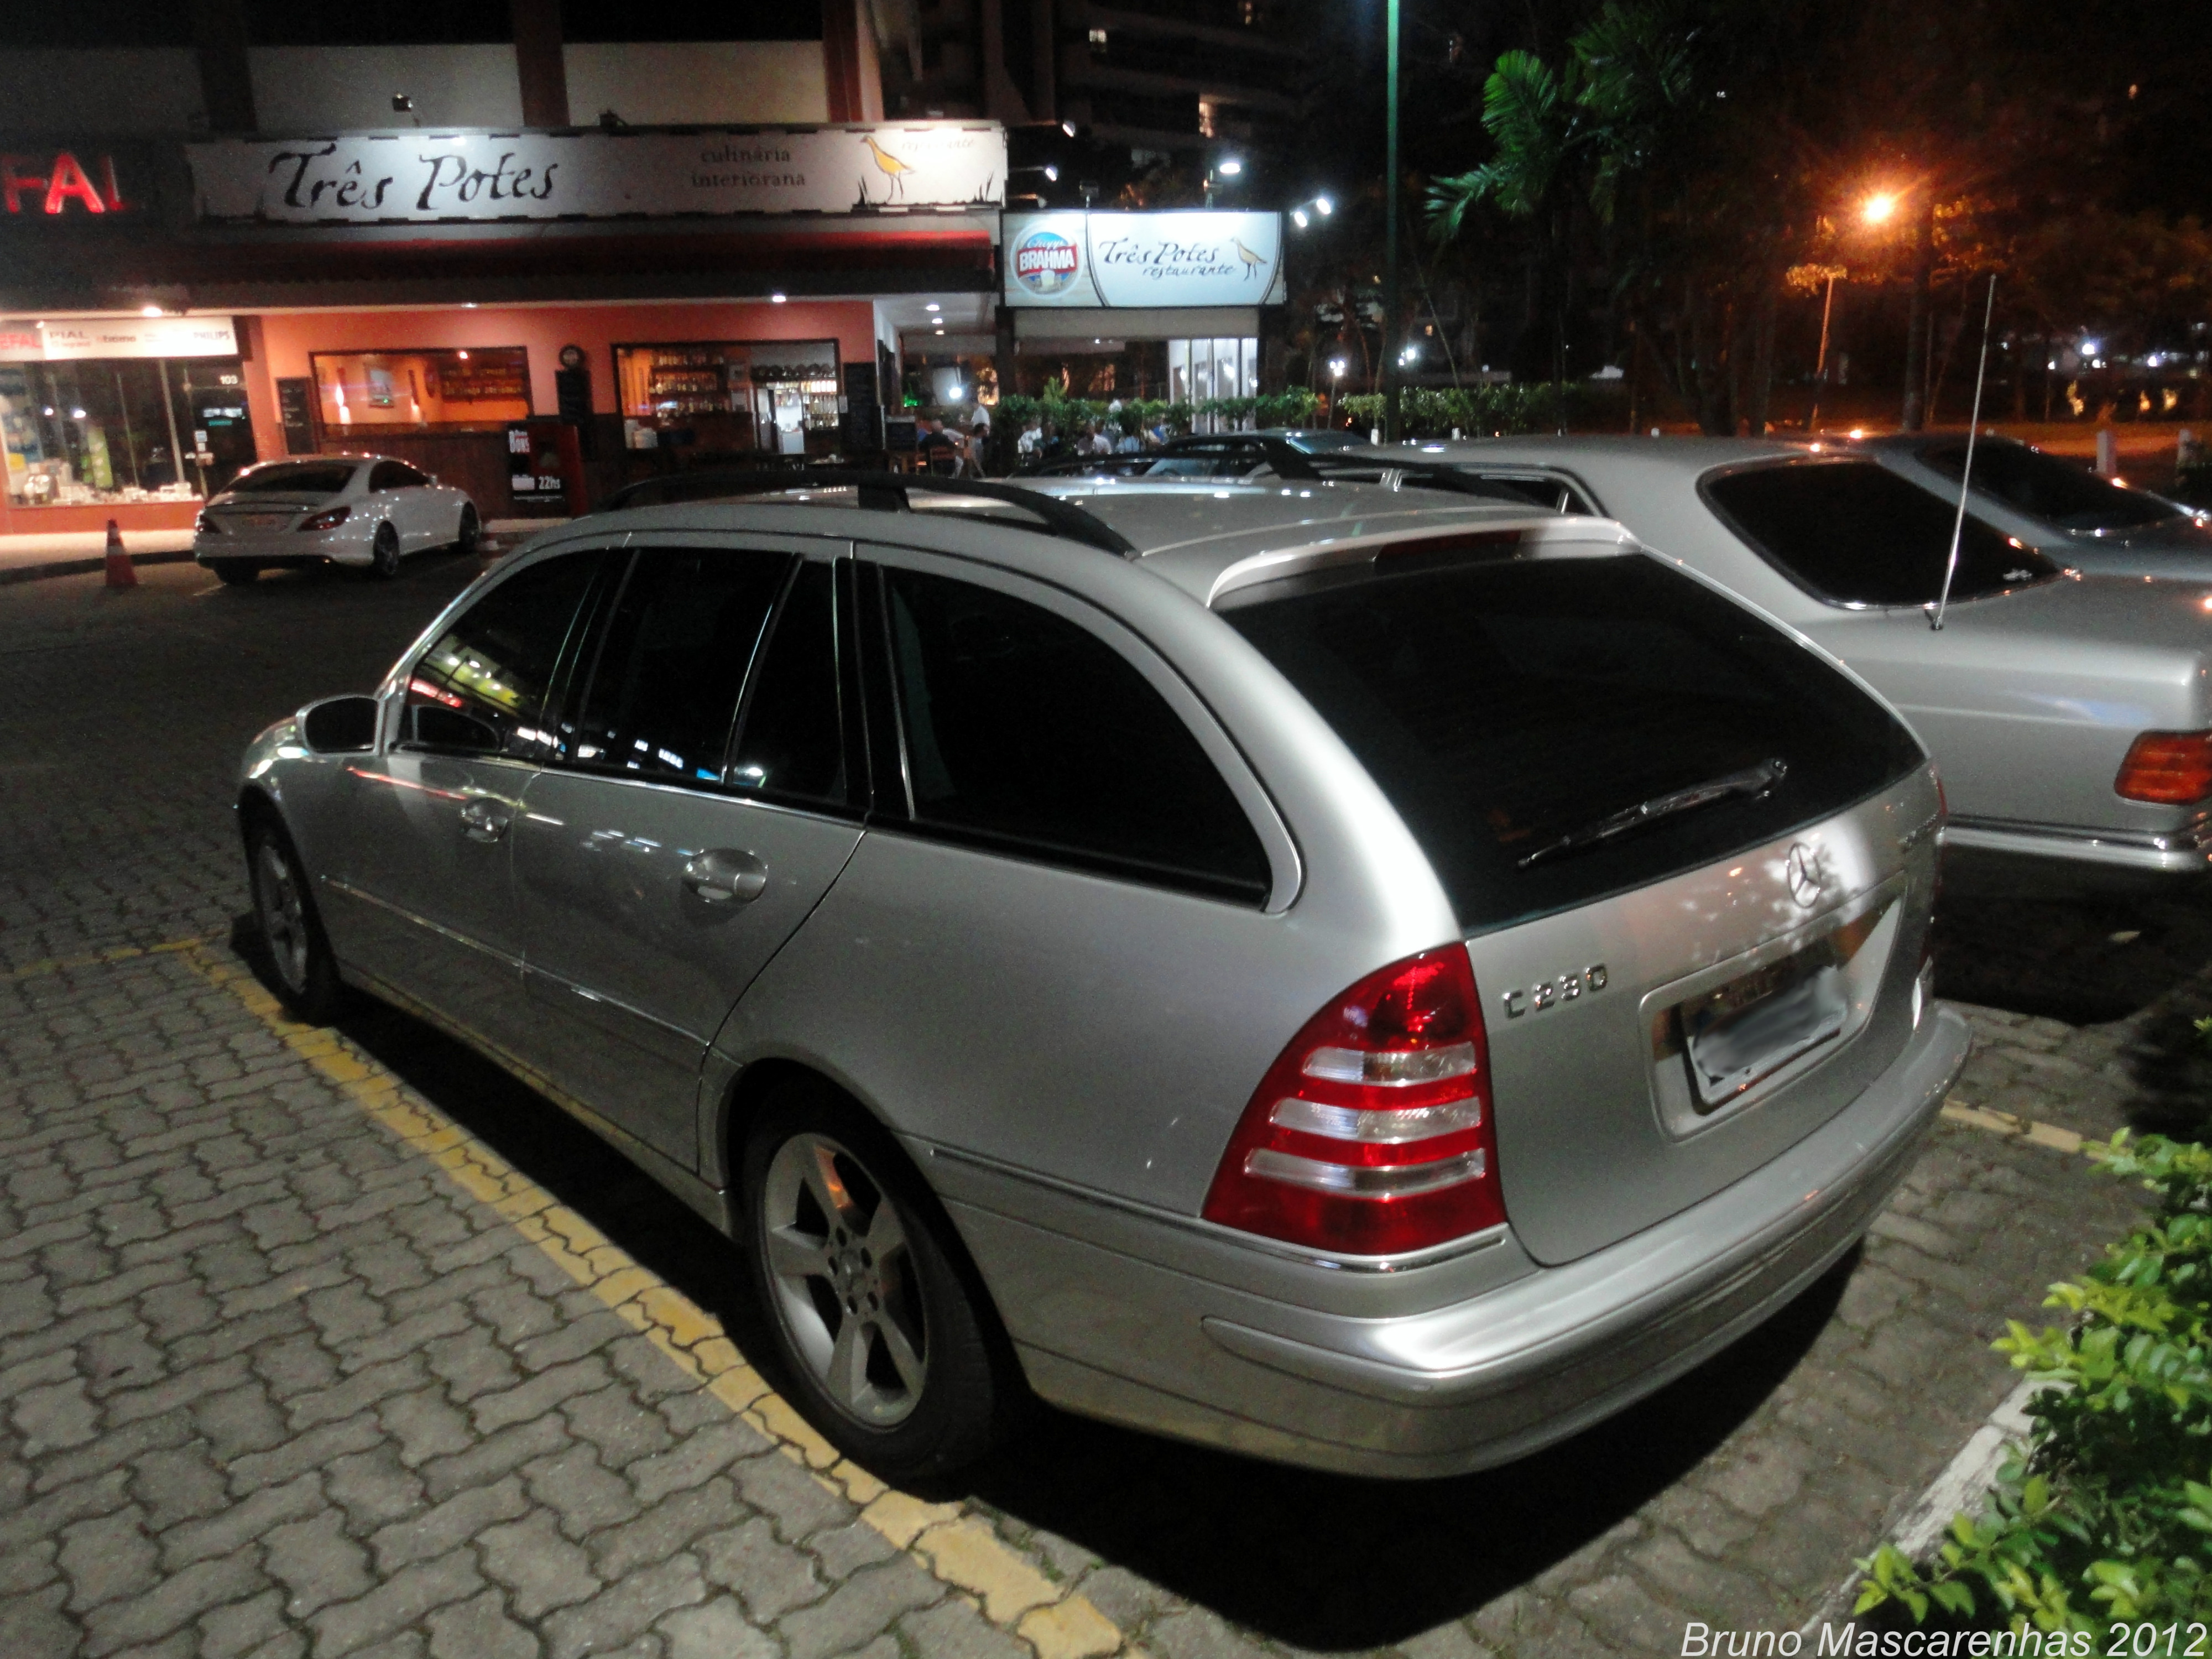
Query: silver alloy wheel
x=283 y=915
x=843 y=1279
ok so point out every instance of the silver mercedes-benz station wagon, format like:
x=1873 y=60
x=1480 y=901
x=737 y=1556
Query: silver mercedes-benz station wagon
x=1368 y=981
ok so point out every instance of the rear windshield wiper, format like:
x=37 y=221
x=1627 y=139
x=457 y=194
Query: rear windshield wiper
x=1752 y=781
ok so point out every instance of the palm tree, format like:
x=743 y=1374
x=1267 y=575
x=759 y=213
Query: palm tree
x=1571 y=138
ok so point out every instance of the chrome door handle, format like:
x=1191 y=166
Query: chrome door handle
x=727 y=876
x=481 y=820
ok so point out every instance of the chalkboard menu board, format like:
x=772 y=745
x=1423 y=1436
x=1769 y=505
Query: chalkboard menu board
x=296 y=413
x=864 y=409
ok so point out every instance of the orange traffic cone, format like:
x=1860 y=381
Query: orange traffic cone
x=120 y=572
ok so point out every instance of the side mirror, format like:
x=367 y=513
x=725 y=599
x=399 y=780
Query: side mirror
x=339 y=726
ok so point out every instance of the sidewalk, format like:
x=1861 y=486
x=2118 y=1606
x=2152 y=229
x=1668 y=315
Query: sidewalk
x=76 y=553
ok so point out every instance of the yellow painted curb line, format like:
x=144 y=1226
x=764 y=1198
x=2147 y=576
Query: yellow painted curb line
x=101 y=959
x=2005 y=1123
x=958 y=1546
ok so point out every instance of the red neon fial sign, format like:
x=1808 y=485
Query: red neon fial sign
x=64 y=180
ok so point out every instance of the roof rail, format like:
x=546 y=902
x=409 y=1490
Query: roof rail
x=876 y=492
x=1395 y=474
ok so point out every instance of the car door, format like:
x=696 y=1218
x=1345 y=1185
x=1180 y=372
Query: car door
x=1068 y=856
x=700 y=806
x=420 y=890
x=419 y=508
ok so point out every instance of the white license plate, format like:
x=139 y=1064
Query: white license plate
x=1753 y=1029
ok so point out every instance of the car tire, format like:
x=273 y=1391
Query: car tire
x=305 y=974
x=383 y=552
x=467 y=533
x=887 y=1338
x=236 y=572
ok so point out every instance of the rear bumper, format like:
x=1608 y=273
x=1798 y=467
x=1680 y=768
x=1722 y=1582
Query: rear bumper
x=284 y=546
x=1163 y=1332
x=2182 y=852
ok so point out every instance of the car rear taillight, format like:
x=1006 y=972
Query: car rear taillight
x=2173 y=769
x=329 y=519
x=204 y=525
x=1371 y=1133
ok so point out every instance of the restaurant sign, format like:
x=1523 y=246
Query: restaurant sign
x=1089 y=260
x=74 y=339
x=420 y=176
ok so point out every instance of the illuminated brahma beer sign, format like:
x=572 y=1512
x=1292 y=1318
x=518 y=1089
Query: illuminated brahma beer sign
x=56 y=183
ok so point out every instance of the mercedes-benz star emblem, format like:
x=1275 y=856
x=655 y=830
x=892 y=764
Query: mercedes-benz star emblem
x=1803 y=873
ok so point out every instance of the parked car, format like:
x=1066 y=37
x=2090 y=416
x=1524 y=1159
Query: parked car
x=364 y=510
x=2071 y=715
x=2097 y=525
x=1371 y=982
x=1271 y=451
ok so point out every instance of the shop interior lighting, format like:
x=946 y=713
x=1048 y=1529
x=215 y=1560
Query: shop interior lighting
x=1230 y=167
x=775 y=299
x=1052 y=173
x=1323 y=206
x=1298 y=218
x=933 y=306
x=150 y=311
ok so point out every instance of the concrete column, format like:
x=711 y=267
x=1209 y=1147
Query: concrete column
x=540 y=70
x=226 y=72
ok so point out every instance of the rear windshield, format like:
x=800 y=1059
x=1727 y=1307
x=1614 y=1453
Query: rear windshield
x=294 y=478
x=2044 y=487
x=1856 y=533
x=1506 y=708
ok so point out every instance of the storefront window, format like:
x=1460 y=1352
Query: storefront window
x=722 y=396
x=470 y=389
x=97 y=432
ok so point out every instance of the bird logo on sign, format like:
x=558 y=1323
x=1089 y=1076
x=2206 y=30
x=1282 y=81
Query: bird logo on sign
x=889 y=164
x=1254 y=264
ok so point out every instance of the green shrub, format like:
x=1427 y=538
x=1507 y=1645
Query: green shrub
x=1476 y=411
x=2107 y=1514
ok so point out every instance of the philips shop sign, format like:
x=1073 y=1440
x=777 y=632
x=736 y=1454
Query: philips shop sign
x=1144 y=260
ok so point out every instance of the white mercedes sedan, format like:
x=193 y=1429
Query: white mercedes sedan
x=365 y=510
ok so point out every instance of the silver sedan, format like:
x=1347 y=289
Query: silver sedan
x=367 y=511
x=2071 y=714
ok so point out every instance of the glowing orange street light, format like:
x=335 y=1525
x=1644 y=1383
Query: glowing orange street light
x=1877 y=208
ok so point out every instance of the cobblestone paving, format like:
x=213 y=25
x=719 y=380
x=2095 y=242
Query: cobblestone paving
x=274 y=1380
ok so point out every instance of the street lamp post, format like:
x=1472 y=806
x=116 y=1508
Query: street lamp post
x=1390 y=342
x=1917 y=318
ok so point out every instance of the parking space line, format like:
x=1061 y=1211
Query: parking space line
x=100 y=959
x=956 y=1544
x=2026 y=1128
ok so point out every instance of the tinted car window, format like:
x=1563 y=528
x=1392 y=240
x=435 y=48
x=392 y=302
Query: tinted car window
x=790 y=746
x=1855 y=532
x=1505 y=706
x=664 y=692
x=294 y=478
x=1026 y=731
x=483 y=684
x=2044 y=486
